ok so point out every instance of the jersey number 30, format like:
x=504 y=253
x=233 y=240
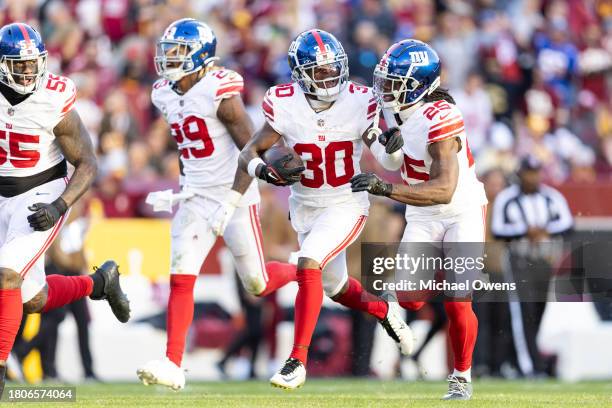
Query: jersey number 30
x=328 y=156
x=194 y=129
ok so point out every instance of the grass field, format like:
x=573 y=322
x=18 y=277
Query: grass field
x=342 y=393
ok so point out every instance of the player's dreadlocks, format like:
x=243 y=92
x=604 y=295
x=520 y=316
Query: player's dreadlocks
x=438 y=94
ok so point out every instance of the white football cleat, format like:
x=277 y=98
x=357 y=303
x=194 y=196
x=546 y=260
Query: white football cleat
x=291 y=376
x=398 y=330
x=163 y=372
x=458 y=389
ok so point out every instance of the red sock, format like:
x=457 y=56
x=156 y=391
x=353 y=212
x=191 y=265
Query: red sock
x=462 y=330
x=66 y=289
x=411 y=305
x=180 y=315
x=11 y=311
x=307 y=307
x=412 y=300
x=357 y=298
x=279 y=274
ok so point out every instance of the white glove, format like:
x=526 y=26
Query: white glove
x=164 y=200
x=224 y=212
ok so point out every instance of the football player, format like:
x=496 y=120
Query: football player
x=445 y=201
x=202 y=105
x=39 y=132
x=326 y=119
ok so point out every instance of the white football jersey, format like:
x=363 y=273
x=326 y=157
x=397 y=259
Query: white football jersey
x=27 y=141
x=208 y=154
x=433 y=122
x=329 y=142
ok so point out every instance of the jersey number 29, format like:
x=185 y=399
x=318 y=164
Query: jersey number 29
x=194 y=129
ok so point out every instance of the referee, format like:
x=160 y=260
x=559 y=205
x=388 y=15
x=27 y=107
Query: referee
x=527 y=214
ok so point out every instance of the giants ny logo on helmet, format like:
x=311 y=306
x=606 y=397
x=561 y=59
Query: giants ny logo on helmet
x=419 y=58
x=408 y=71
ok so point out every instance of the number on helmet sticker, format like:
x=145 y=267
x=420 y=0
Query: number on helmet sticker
x=17 y=155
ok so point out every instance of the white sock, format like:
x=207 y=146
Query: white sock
x=467 y=374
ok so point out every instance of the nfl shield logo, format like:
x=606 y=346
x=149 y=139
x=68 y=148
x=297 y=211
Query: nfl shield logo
x=320 y=123
x=11 y=111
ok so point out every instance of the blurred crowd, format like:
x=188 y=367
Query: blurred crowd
x=531 y=76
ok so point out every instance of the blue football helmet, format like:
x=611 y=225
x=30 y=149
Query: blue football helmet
x=186 y=47
x=318 y=64
x=408 y=71
x=23 y=58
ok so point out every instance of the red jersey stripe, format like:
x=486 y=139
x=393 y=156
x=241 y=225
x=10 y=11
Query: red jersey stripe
x=444 y=130
x=444 y=122
x=267 y=108
x=444 y=137
x=69 y=104
x=231 y=89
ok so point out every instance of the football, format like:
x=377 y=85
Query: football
x=276 y=152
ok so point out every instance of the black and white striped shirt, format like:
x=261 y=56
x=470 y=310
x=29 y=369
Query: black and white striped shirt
x=514 y=212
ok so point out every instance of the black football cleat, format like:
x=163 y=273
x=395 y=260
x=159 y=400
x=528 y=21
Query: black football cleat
x=107 y=286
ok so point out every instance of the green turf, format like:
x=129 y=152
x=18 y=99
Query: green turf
x=343 y=393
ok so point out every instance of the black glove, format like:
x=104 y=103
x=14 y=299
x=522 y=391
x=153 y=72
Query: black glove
x=371 y=183
x=46 y=215
x=392 y=140
x=277 y=174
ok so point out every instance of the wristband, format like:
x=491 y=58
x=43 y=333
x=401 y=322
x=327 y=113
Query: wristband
x=388 y=190
x=252 y=166
x=61 y=205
